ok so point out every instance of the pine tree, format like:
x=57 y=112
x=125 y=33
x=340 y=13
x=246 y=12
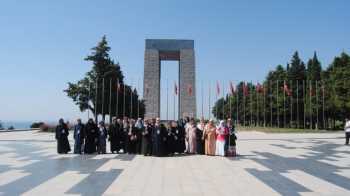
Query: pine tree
x=104 y=72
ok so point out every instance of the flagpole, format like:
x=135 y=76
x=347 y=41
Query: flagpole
x=304 y=97
x=316 y=105
x=88 y=101
x=103 y=98
x=209 y=116
x=271 y=101
x=223 y=100
x=202 y=97
x=230 y=98
x=310 y=97
x=167 y=100
x=116 y=107
x=264 y=104
x=237 y=109
x=251 y=103
x=291 y=104
x=244 y=102
x=174 y=99
x=124 y=100
x=96 y=97
x=110 y=100
x=298 y=104
x=257 y=105
x=138 y=98
x=216 y=99
x=277 y=107
x=323 y=108
x=131 y=94
x=284 y=105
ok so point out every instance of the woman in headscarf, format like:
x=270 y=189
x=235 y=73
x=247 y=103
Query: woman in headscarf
x=221 y=132
x=170 y=141
x=132 y=137
x=62 y=138
x=139 y=129
x=210 y=138
x=199 y=136
x=91 y=137
x=102 y=136
x=191 y=137
x=114 y=135
x=146 y=138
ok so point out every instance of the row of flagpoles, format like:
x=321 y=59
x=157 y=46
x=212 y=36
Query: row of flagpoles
x=263 y=94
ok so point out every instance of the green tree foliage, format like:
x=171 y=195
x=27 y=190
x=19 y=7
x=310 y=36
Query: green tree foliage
x=93 y=91
x=303 y=105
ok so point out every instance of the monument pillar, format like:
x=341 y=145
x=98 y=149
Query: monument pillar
x=169 y=49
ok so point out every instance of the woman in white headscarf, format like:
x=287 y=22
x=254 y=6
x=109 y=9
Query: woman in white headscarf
x=221 y=132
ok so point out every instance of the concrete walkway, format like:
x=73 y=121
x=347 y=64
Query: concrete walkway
x=269 y=164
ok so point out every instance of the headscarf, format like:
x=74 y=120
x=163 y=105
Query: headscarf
x=139 y=124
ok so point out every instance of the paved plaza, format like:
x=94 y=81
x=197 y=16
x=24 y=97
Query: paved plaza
x=269 y=164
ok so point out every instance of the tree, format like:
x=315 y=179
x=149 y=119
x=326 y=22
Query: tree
x=336 y=78
x=314 y=69
x=93 y=91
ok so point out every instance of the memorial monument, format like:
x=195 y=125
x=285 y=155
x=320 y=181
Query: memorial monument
x=158 y=50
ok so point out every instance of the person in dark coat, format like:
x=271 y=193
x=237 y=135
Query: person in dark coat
x=91 y=136
x=114 y=136
x=231 y=137
x=79 y=135
x=179 y=136
x=102 y=137
x=125 y=130
x=132 y=137
x=199 y=137
x=139 y=129
x=158 y=139
x=170 y=139
x=62 y=133
x=147 y=138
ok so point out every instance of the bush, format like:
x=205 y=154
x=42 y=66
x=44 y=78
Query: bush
x=11 y=128
x=47 y=128
x=36 y=125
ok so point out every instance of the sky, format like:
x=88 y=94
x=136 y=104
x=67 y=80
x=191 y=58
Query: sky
x=43 y=44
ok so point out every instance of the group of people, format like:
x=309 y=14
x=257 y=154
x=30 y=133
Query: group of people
x=150 y=137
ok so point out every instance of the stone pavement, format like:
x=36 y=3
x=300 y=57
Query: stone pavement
x=269 y=164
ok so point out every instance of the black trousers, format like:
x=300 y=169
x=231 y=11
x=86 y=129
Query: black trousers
x=347 y=138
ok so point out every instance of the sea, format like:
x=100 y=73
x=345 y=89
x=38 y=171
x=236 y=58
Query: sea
x=16 y=124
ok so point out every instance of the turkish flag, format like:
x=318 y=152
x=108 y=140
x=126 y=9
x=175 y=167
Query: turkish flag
x=245 y=89
x=259 y=88
x=287 y=90
x=217 y=88
x=189 y=90
x=232 y=88
x=175 y=88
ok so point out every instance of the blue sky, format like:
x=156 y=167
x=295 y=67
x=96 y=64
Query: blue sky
x=43 y=43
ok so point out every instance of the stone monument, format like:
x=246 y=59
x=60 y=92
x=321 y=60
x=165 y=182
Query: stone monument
x=158 y=50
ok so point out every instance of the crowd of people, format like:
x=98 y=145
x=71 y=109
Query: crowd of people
x=150 y=137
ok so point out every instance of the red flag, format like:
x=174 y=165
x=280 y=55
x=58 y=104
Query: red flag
x=175 y=88
x=217 y=88
x=245 y=89
x=287 y=90
x=232 y=88
x=189 y=90
x=259 y=88
x=312 y=91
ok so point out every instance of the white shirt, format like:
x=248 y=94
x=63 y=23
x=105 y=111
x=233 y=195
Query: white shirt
x=347 y=126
